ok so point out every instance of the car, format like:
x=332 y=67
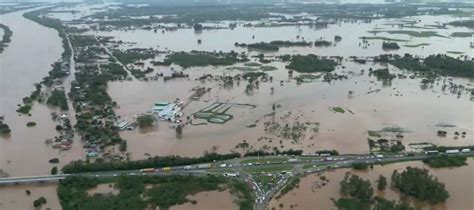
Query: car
x=115 y=175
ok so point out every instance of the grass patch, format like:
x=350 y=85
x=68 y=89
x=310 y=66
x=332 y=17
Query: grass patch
x=268 y=169
x=337 y=109
x=264 y=160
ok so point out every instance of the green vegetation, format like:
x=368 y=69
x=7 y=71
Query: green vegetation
x=372 y=133
x=355 y=187
x=390 y=46
x=419 y=184
x=382 y=183
x=360 y=166
x=165 y=191
x=311 y=63
x=463 y=23
x=291 y=184
x=322 y=43
x=58 y=99
x=197 y=58
x=462 y=34
x=39 y=202
x=25 y=109
x=433 y=64
x=6 y=38
x=445 y=161
x=269 y=169
x=264 y=160
x=383 y=204
x=357 y=195
x=30 y=124
x=337 y=109
x=4 y=128
x=57 y=72
x=383 y=74
x=54 y=170
x=154 y=162
x=114 y=71
x=133 y=55
x=145 y=120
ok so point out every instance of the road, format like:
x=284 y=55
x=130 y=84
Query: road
x=262 y=197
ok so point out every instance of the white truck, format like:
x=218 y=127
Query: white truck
x=452 y=151
x=466 y=150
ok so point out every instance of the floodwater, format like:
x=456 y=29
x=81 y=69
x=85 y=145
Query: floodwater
x=26 y=61
x=403 y=104
x=15 y=197
x=374 y=105
x=212 y=200
x=224 y=39
x=459 y=183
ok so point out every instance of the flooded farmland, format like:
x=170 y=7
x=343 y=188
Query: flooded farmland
x=458 y=181
x=15 y=197
x=135 y=90
x=402 y=104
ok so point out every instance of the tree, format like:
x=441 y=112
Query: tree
x=54 y=170
x=354 y=186
x=382 y=183
x=145 y=120
x=420 y=184
x=39 y=202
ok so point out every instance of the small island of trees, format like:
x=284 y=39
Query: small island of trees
x=311 y=63
x=418 y=183
x=390 y=46
x=4 y=128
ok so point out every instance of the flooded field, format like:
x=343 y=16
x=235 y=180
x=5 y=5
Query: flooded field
x=15 y=197
x=440 y=41
x=373 y=105
x=458 y=182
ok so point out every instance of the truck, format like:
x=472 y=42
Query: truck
x=147 y=170
x=292 y=160
x=466 y=150
x=432 y=152
x=379 y=156
x=188 y=167
x=223 y=165
x=204 y=166
x=452 y=151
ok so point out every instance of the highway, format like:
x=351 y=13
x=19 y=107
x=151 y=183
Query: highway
x=263 y=197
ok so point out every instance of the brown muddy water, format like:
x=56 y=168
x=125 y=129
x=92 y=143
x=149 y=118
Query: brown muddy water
x=14 y=197
x=26 y=61
x=458 y=181
x=212 y=200
x=402 y=104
